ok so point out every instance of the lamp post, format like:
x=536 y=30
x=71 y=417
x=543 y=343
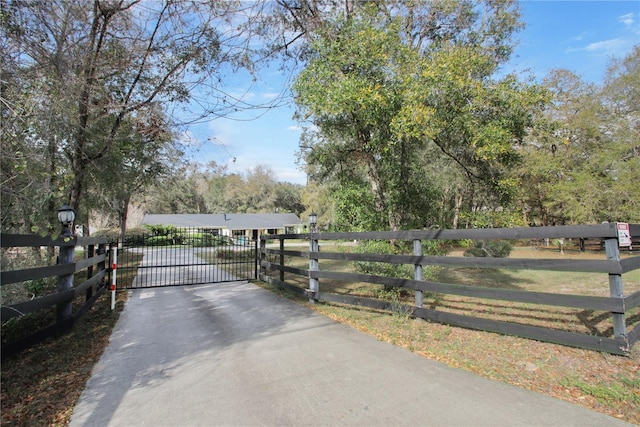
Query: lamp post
x=313 y=220
x=66 y=216
x=313 y=262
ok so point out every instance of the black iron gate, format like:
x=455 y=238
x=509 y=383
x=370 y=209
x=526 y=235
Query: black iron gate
x=185 y=257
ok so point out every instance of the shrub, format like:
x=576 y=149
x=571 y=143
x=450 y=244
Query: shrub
x=42 y=286
x=158 y=241
x=206 y=240
x=234 y=254
x=402 y=271
x=380 y=268
x=111 y=234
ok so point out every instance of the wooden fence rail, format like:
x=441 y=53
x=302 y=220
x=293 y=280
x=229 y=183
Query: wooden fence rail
x=95 y=263
x=620 y=308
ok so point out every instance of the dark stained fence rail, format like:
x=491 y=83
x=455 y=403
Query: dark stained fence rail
x=95 y=264
x=621 y=308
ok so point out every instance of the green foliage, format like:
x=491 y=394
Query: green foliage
x=489 y=248
x=614 y=391
x=380 y=103
x=429 y=247
x=355 y=209
x=466 y=243
x=396 y=297
x=205 y=240
x=583 y=162
x=492 y=219
x=161 y=230
x=380 y=268
x=160 y=241
x=135 y=237
x=41 y=286
x=235 y=254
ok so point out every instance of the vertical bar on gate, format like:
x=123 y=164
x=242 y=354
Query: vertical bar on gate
x=114 y=268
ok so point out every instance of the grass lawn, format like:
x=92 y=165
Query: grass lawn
x=559 y=282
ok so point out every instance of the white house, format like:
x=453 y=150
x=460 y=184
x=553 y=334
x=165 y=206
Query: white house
x=249 y=226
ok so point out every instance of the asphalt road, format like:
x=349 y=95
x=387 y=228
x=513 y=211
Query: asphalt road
x=235 y=354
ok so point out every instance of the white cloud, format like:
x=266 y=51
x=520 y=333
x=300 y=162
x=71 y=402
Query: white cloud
x=627 y=19
x=579 y=37
x=606 y=46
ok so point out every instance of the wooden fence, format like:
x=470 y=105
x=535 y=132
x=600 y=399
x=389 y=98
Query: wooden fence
x=67 y=271
x=621 y=309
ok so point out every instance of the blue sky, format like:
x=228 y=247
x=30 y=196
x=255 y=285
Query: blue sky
x=581 y=36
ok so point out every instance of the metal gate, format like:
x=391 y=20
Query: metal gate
x=185 y=257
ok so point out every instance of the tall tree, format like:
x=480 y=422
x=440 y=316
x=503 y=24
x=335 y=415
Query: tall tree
x=581 y=164
x=379 y=94
x=102 y=61
x=143 y=153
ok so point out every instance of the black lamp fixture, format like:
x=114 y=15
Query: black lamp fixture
x=66 y=215
x=313 y=220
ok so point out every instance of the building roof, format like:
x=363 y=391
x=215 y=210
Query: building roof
x=231 y=221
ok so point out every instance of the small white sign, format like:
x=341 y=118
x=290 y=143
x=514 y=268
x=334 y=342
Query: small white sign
x=624 y=234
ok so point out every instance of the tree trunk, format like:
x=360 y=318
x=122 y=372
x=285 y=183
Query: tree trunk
x=376 y=189
x=123 y=213
x=458 y=206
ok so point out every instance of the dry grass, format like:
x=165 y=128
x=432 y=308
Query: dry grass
x=606 y=383
x=40 y=386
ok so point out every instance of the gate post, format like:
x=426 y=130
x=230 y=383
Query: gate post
x=89 y=253
x=417 y=270
x=263 y=258
x=615 y=287
x=65 y=282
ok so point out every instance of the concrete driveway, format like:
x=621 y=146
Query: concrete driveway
x=236 y=354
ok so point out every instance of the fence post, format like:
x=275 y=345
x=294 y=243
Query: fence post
x=615 y=287
x=65 y=282
x=281 y=257
x=417 y=270
x=263 y=258
x=256 y=259
x=89 y=253
x=313 y=266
